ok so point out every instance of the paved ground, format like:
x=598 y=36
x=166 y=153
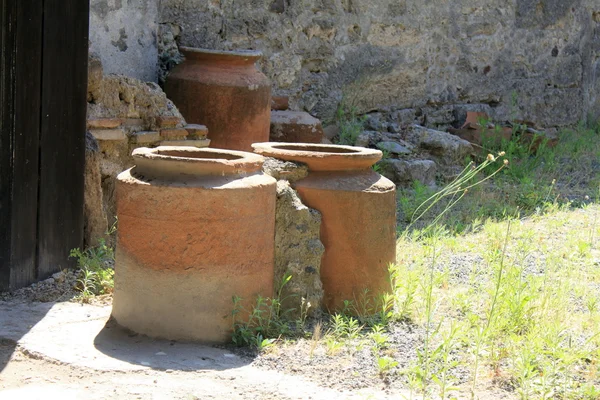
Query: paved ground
x=72 y=351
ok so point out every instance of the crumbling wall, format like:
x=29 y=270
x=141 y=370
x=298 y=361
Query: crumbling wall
x=535 y=60
x=124 y=113
x=298 y=247
x=123 y=33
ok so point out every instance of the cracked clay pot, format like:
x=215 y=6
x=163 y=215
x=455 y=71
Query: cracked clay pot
x=358 y=230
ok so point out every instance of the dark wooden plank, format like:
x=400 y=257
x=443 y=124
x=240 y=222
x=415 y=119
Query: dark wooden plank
x=7 y=70
x=64 y=85
x=26 y=142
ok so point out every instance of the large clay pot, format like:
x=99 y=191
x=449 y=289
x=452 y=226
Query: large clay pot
x=358 y=207
x=224 y=91
x=196 y=227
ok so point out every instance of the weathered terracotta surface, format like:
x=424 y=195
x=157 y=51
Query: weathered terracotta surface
x=280 y=103
x=224 y=91
x=295 y=127
x=196 y=227
x=358 y=208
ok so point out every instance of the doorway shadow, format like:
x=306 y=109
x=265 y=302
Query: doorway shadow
x=17 y=318
x=140 y=351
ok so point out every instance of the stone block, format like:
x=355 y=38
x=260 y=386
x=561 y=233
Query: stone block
x=109 y=134
x=331 y=131
x=103 y=123
x=174 y=134
x=393 y=147
x=132 y=123
x=186 y=143
x=280 y=103
x=196 y=131
x=295 y=127
x=169 y=121
x=405 y=172
x=145 y=137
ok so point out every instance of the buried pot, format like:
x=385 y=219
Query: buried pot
x=358 y=229
x=196 y=227
x=224 y=91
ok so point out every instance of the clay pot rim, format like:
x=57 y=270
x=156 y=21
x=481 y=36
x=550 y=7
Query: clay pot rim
x=182 y=160
x=321 y=157
x=229 y=56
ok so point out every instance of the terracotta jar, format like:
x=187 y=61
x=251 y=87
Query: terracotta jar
x=196 y=227
x=358 y=208
x=224 y=91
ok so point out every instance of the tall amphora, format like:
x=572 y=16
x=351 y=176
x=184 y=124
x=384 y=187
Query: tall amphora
x=226 y=92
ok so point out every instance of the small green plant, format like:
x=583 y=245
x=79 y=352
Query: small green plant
x=380 y=339
x=334 y=346
x=349 y=123
x=386 y=364
x=96 y=264
x=263 y=323
x=344 y=327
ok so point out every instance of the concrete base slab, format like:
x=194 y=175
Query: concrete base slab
x=74 y=351
x=84 y=336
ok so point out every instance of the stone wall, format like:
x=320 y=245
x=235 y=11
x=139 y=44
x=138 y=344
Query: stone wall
x=123 y=33
x=430 y=61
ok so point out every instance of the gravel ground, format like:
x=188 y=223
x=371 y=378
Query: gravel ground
x=60 y=287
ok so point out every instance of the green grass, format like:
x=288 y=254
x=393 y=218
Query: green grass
x=521 y=313
x=568 y=174
x=500 y=270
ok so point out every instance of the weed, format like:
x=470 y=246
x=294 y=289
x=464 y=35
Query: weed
x=386 y=364
x=333 y=345
x=316 y=336
x=266 y=320
x=380 y=339
x=349 y=123
x=344 y=327
x=96 y=265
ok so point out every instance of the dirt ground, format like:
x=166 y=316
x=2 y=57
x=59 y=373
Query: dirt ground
x=74 y=351
x=69 y=350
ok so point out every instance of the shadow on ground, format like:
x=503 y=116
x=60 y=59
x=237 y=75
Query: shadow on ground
x=84 y=336
x=138 y=350
x=16 y=321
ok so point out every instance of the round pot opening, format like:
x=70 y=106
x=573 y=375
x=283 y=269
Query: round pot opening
x=315 y=149
x=198 y=154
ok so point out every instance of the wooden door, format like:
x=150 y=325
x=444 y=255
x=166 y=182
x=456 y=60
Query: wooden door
x=43 y=81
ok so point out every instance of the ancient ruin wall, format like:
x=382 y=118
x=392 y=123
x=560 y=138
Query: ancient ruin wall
x=123 y=33
x=530 y=59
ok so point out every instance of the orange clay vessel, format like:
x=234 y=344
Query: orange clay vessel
x=359 y=219
x=196 y=227
x=224 y=91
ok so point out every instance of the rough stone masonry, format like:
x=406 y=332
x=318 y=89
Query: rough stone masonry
x=537 y=60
